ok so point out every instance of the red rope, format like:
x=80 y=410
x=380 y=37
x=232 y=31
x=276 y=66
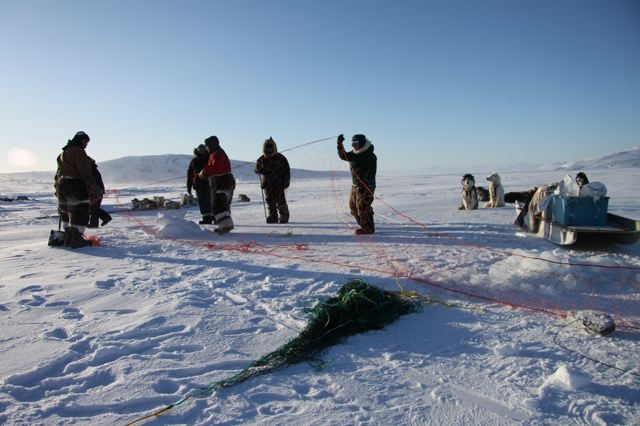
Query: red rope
x=393 y=269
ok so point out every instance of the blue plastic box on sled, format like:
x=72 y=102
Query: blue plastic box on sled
x=579 y=211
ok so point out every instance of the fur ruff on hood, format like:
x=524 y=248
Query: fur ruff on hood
x=271 y=142
x=364 y=148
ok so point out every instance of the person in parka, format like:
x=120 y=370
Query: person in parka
x=75 y=188
x=222 y=184
x=581 y=179
x=363 y=163
x=203 y=190
x=275 y=176
x=96 y=212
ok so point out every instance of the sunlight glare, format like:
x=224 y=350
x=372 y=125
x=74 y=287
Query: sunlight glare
x=22 y=157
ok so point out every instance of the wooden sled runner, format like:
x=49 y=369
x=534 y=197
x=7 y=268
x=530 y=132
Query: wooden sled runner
x=616 y=228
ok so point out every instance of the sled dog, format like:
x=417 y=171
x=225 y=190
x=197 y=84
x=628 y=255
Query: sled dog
x=469 y=193
x=496 y=191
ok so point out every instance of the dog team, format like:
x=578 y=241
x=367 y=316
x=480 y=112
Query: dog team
x=472 y=195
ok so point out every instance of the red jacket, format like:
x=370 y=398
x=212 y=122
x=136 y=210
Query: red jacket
x=218 y=165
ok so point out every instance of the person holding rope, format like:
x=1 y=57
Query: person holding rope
x=363 y=163
x=203 y=190
x=275 y=176
x=222 y=184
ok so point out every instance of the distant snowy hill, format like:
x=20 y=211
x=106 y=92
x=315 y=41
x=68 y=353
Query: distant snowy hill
x=155 y=168
x=147 y=168
x=623 y=159
x=152 y=168
x=629 y=158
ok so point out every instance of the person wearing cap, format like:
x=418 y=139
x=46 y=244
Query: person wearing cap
x=363 y=163
x=76 y=189
x=222 y=184
x=203 y=191
x=275 y=176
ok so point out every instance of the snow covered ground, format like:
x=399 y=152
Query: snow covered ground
x=109 y=334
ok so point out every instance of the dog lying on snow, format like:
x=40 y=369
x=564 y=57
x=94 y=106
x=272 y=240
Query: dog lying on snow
x=469 y=193
x=483 y=194
x=156 y=203
x=496 y=191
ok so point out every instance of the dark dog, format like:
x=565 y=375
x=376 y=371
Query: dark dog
x=483 y=193
x=469 y=193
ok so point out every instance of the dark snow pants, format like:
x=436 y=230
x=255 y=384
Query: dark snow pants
x=203 y=193
x=222 y=188
x=73 y=201
x=96 y=212
x=276 y=203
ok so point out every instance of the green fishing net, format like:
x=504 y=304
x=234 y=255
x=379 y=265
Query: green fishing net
x=358 y=307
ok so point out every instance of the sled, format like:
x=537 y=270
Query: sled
x=615 y=228
x=56 y=238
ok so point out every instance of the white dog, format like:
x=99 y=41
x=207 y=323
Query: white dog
x=496 y=191
x=469 y=193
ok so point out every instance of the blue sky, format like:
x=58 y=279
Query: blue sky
x=432 y=83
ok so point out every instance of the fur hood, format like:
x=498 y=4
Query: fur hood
x=272 y=143
x=364 y=148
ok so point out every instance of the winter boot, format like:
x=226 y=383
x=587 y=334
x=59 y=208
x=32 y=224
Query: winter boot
x=106 y=219
x=93 y=222
x=366 y=226
x=225 y=225
x=284 y=214
x=77 y=240
x=272 y=219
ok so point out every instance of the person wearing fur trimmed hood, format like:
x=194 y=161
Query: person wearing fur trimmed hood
x=363 y=163
x=222 y=184
x=203 y=191
x=275 y=176
x=76 y=189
